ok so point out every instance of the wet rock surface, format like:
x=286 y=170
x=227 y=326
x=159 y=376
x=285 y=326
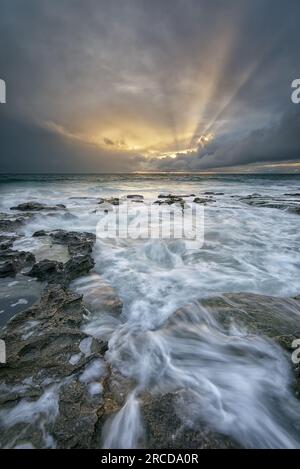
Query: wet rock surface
x=98 y=295
x=164 y=428
x=6 y=242
x=110 y=200
x=46 y=363
x=171 y=200
x=171 y=196
x=135 y=197
x=213 y=193
x=55 y=381
x=262 y=315
x=57 y=390
x=17 y=294
x=9 y=223
x=40 y=375
x=282 y=203
x=271 y=316
x=36 y=207
x=203 y=200
x=79 y=246
x=12 y=261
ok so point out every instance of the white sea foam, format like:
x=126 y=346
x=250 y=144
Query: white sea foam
x=41 y=412
x=95 y=388
x=241 y=384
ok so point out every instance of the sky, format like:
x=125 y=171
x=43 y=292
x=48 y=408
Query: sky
x=140 y=85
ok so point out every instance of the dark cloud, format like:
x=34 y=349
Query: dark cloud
x=137 y=75
x=29 y=148
x=277 y=142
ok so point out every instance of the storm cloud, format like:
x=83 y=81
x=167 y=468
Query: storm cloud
x=133 y=85
x=278 y=142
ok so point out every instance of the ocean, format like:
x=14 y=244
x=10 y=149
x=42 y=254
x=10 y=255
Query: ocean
x=240 y=383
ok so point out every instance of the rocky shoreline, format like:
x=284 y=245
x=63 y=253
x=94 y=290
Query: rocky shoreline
x=57 y=388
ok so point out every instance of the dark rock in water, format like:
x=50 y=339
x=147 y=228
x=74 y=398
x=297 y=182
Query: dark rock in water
x=203 y=201
x=260 y=314
x=213 y=193
x=135 y=196
x=69 y=216
x=74 y=427
x=12 y=262
x=78 y=265
x=165 y=196
x=276 y=318
x=50 y=271
x=294 y=210
x=39 y=233
x=6 y=242
x=47 y=356
x=257 y=200
x=36 y=207
x=295 y=194
x=199 y=200
x=110 y=200
x=7 y=269
x=17 y=295
x=99 y=295
x=10 y=223
x=174 y=196
x=171 y=200
x=79 y=245
x=165 y=429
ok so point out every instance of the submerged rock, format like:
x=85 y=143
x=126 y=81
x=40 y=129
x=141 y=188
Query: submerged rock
x=213 y=193
x=277 y=318
x=293 y=194
x=172 y=196
x=33 y=206
x=110 y=200
x=77 y=242
x=135 y=196
x=204 y=201
x=257 y=200
x=6 y=242
x=78 y=265
x=272 y=317
x=99 y=295
x=39 y=233
x=12 y=261
x=171 y=200
x=10 y=224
